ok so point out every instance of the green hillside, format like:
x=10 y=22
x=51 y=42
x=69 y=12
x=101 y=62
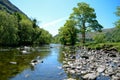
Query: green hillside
x=17 y=29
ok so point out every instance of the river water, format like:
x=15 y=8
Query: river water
x=15 y=65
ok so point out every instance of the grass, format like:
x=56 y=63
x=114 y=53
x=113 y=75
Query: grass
x=107 y=45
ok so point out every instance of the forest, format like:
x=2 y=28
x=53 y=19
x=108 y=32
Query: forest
x=16 y=29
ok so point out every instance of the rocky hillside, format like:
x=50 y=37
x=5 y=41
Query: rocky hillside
x=8 y=6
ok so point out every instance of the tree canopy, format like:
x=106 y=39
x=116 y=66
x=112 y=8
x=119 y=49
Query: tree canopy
x=117 y=23
x=17 y=29
x=8 y=29
x=85 y=17
x=68 y=33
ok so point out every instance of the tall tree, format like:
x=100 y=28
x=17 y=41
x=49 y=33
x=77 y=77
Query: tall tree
x=117 y=23
x=26 y=32
x=68 y=33
x=85 y=17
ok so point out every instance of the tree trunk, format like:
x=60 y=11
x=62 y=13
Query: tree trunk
x=83 y=37
x=83 y=33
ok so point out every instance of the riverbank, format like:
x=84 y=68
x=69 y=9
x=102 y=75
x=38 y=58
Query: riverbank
x=107 y=45
x=93 y=64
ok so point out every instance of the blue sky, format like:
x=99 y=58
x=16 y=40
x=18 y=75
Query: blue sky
x=52 y=14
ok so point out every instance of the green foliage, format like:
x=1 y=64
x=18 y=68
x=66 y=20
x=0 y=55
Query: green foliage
x=56 y=39
x=117 y=23
x=8 y=29
x=44 y=38
x=85 y=17
x=100 y=38
x=34 y=23
x=68 y=33
x=26 y=31
x=110 y=36
x=106 y=45
x=113 y=36
x=118 y=11
x=18 y=29
x=107 y=40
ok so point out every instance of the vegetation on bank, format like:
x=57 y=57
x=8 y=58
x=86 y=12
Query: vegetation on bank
x=85 y=22
x=82 y=19
x=16 y=29
x=109 y=39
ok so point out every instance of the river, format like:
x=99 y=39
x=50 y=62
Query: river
x=46 y=62
x=15 y=65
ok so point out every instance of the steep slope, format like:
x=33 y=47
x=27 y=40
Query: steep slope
x=8 y=6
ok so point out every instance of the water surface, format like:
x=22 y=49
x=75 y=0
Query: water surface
x=50 y=69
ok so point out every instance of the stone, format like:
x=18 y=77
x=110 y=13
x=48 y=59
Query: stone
x=90 y=76
x=73 y=67
x=66 y=66
x=86 y=57
x=27 y=75
x=118 y=74
x=78 y=67
x=64 y=62
x=115 y=77
x=72 y=71
x=70 y=79
x=83 y=72
x=13 y=62
x=100 y=69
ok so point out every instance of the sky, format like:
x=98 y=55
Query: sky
x=52 y=14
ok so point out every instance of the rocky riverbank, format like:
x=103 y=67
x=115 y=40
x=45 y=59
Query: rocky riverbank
x=93 y=64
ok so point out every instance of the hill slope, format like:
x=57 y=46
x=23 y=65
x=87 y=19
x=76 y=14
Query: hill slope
x=8 y=6
x=90 y=35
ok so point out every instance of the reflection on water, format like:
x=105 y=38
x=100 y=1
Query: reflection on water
x=14 y=65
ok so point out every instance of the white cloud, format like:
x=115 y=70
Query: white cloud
x=53 y=23
x=53 y=26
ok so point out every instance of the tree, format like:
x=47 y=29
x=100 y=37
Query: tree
x=117 y=23
x=26 y=32
x=114 y=35
x=34 y=22
x=100 y=38
x=68 y=33
x=85 y=17
x=118 y=11
x=8 y=29
x=43 y=37
x=56 y=39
